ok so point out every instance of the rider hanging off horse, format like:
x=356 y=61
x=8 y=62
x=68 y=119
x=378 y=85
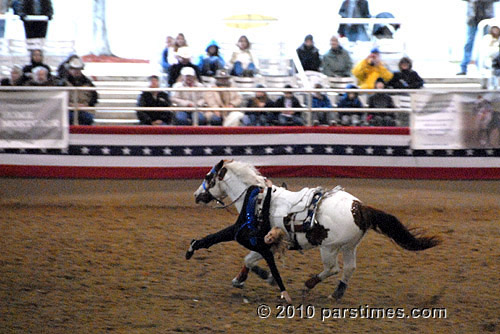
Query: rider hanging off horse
x=333 y=220
x=253 y=231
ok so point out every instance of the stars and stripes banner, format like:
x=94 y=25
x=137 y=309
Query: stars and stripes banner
x=189 y=152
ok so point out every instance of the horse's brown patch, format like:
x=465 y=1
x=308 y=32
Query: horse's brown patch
x=311 y=283
x=360 y=215
x=317 y=234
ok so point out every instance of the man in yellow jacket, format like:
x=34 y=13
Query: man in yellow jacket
x=368 y=70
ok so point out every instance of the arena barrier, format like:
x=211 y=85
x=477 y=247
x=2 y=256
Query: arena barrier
x=143 y=152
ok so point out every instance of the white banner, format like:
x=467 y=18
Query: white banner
x=455 y=121
x=34 y=119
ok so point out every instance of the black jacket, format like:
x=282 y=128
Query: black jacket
x=309 y=58
x=146 y=99
x=407 y=79
x=26 y=8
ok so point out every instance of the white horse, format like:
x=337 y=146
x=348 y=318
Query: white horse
x=341 y=221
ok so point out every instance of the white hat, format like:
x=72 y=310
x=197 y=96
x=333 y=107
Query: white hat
x=76 y=63
x=188 y=70
x=184 y=52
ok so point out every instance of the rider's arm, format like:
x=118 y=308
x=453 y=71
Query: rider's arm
x=269 y=257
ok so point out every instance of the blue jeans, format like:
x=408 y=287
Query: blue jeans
x=2 y=28
x=238 y=69
x=469 y=45
x=84 y=118
x=184 y=118
x=210 y=65
x=284 y=119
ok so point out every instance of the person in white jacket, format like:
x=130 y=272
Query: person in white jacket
x=188 y=98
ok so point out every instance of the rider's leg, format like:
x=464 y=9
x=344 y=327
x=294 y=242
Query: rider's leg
x=224 y=235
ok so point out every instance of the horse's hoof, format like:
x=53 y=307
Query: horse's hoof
x=190 y=251
x=339 y=291
x=237 y=284
x=311 y=283
x=270 y=280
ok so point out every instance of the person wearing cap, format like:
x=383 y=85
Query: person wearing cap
x=174 y=71
x=258 y=118
x=188 y=99
x=154 y=99
x=336 y=62
x=223 y=99
x=87 y=98
x=350 y=100
x=16 y=77
x=309 y=55
x=406 y=77
x=368 y=70
x=382 y=101
x=288 y=117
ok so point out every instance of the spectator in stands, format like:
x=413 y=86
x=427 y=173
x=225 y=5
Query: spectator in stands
x=354 y=9
x=337 y=62
x=211 y=61
x=320 y=100
x=384 y=31
x=40 y=77
x=289 y=117
x=368 y=70
x=174 y=71
x=63 y=68
x=381 y=100
x=4 y=8
x=258 y=118
x=242 y=62
x=35 y=28
x=167 y=56
x=309 y=55
x=477 y=10
x=188 y=98
x=489 y=49
x=86 y=98
x=36 y=61
x=154 y=99
x=223 y=99
x=16 y=77
x=406 y=77
x=350 y=100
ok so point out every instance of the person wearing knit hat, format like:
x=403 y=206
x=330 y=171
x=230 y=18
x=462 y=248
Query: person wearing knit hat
x=381 y=101
x=309 y=55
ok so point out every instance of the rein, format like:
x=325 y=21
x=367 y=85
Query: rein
x=225 y=206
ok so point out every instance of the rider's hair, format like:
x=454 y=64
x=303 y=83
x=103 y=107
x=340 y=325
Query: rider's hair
x=281 y=244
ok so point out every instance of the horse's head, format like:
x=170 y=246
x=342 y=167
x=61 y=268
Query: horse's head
x=211 y=189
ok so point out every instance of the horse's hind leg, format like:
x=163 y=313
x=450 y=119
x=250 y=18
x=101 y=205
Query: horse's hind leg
x=330 y=264
x=349 y=257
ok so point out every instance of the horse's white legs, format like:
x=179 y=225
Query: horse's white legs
x=331 y=267
x=349 y=256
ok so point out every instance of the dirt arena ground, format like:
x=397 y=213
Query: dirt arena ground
x=94 y=256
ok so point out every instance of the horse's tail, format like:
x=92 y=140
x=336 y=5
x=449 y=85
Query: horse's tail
x=368 y=217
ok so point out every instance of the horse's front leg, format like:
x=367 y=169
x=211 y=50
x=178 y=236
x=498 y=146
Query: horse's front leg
x=330 y=264
x=349 y=257
x=250 y=264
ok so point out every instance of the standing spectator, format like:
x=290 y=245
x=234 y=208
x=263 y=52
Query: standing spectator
x=184 y=57
x=16 y=77
x=406 y=77
x=36 y=61
x=320 y=100
x=212 y=61
x=188 y=98
x=381 y=100
x=87 y=98
x=242 y=62
x=309 y=55
x=223 y=100
x=4 y=8
x=167 y=56
x=337 y=62
x=368 y=70
x=490 y=47
x=350 y=100
x=477 y=10
x=289 y=117
x=32 y=28
x=40 y=77
x=354 y=9
x=258 y=118
x=154 y=99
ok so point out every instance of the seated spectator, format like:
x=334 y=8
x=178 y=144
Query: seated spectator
x=337 y=62
x=384 y=31
x=242 y=62
x=16 y=77
x=40 y=76
x=406 y=77
x=320 y=100
x=223 y=100
x=489 y=49
x=87 y=98
x=289 y=101
x=309 y=55
x=368 y=70
x=167 y=55
x=180 y=42
x=212 y=61
x=62 y=69
x=381 y=100
x=154 y=99
x=258 y=118
x=350 y=100
x=184 y=57
x=36 y=60
x=188 y=98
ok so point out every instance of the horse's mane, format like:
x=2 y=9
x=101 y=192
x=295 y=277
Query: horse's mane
x=246 y=172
